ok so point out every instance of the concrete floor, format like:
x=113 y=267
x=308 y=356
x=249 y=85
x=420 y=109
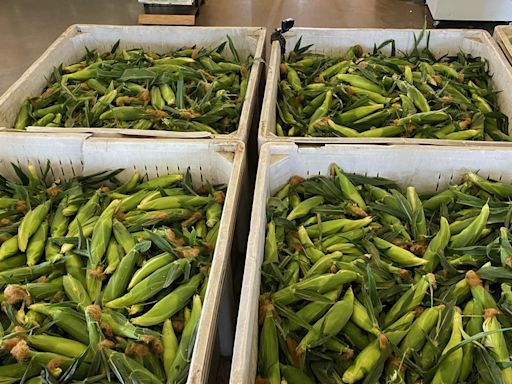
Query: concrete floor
x=28 y=27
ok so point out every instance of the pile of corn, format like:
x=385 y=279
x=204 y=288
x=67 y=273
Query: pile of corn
x=375 y=95
x=194 y=89
x=102 y=279
x=362 y=283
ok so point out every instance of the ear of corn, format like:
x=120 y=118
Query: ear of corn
x=449 y=369
x=170 y=304
x=59 y=345
x=118 y=283
x=122 y=236
x=68 y=320
x=149 y=267
x=437 y=245
x=398 y=254
x=472 y=232
x=332 y=322
x=496 y=342
x=366 y=359
x=36 y=246
x=30 y=224
x=472 y=327
x=171 y=345
x=269 y=349
x=112 y=256
x=9 y=248
x=416 y=337
x=76 y=291
x=179 y=365
x=151 y=285
x=101 y=233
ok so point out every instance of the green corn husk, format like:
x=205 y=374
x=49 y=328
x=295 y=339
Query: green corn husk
x=437 y=245
x=320 y=284
x=472 y=327
x=85 y=212
x=479 y=293
x=310 y=250
x=314 y=310
x=170 y=304
x=334 y=226
x=368 y=357
x=101 y=233
x=472 y=232
x=36 y=245
x=500 y=189
x=174 y=202
x=213 y=213
x=131 y=202
x=332 y=322
x=120 y=326
x=416 y=337
x=21 y=273
x=23 y=352
x=151 y=285
x=356 y=336
x=119 y=281
x=347 y=188
x=271 y=251
x=171 y=345
x=149 y=267
x=112 y=256
x=419 y=225
x=397 y=254
x=496 y=342
x=269 y=352
x=68 y=320
x=59 y=345
x=92 y=319
x=75 y=291
x=293 y=375
x=75 y=267
x=324 y=264
x=160 y=182
x=30 y=224
x=122 y=236
x=42 y=291
x=127 y=367
x=361 y=318
x=305 y=207
x=9 y=248
x=412 y=298
x=179 y=366
x=449 y=369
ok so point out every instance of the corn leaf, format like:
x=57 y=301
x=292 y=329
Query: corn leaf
x=487 y=367
x=292 y=316
x=233 y=50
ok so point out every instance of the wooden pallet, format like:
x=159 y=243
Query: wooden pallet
x=169 y=14
x=156 y=19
